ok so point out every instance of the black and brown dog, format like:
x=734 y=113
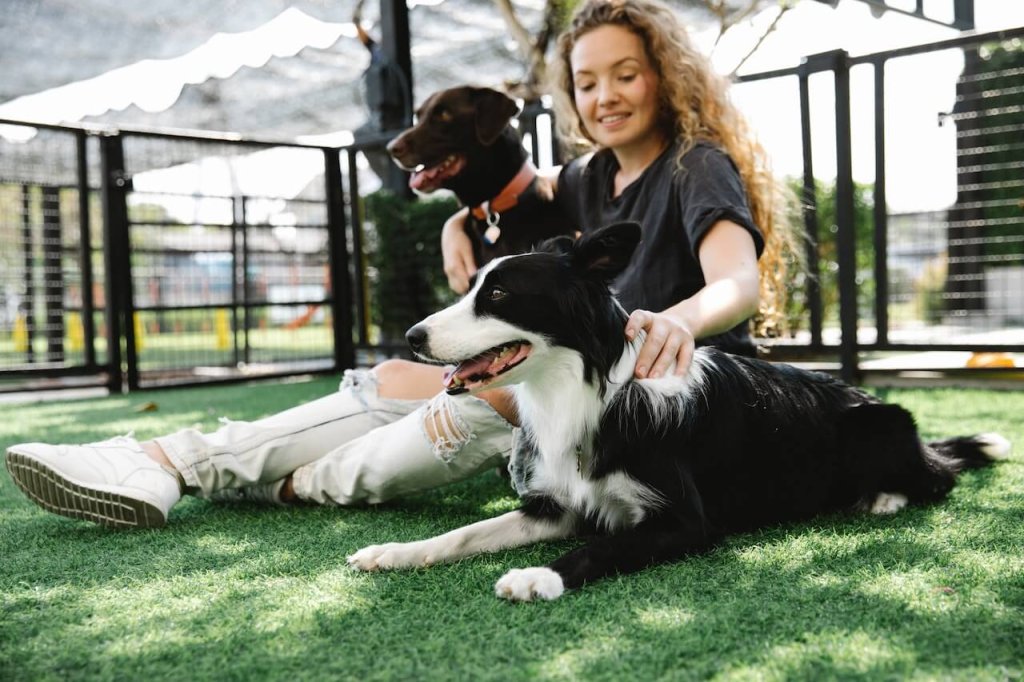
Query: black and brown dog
x=464 y=141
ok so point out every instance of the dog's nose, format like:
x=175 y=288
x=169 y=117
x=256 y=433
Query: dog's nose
x=416 y=337
x=397 y=146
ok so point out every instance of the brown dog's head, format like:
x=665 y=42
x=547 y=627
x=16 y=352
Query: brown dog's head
x=451 y=126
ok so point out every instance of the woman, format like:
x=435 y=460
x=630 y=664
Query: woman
x=671 y=153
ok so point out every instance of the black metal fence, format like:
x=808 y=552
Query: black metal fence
x=931 y=279
x=138 y=259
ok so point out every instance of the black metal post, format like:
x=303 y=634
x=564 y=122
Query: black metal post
x=53 y=266
x=358 y=288
x=28 y=258
x=838 y=62
x=85 y=250
x=341 y=289
x=395 y=41
x=237 y=223
x=117 y=264
x=809 y=209
x=845 y=238
x=963 y=14
x=246 y=287
x=881 y=213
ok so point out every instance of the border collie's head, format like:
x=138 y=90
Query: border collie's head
x=522 y=308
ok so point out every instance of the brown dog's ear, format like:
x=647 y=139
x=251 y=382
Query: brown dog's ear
x=493 y=112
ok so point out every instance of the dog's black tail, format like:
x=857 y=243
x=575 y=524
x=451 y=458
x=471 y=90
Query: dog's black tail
x=972 y=452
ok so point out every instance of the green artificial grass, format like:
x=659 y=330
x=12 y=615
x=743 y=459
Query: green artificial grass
x=249 y=593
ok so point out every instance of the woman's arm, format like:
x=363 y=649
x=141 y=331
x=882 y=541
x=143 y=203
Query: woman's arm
x=728 y=259
x=457 y=252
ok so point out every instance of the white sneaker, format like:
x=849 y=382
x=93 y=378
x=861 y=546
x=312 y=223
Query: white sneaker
x=112 y=483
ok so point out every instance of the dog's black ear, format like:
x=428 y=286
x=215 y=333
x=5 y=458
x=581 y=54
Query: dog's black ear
x=606 y=252
x=557 y=245
x=493 y=112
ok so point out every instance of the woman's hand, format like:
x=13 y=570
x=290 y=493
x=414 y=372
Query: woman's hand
x=669 y=342
x=457 y=252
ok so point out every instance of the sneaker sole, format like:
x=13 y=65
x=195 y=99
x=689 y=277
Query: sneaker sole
x=59 y=495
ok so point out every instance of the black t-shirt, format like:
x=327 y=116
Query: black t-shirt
x=675 y=209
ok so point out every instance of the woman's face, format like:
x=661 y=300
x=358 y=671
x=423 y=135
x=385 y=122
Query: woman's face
x=616 y=89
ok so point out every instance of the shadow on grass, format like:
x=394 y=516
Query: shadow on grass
x=151 y=413
x=246 y=593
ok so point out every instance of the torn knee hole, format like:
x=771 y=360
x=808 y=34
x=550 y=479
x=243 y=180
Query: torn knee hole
x=445 y=428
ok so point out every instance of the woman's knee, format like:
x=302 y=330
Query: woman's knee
x=407 y=380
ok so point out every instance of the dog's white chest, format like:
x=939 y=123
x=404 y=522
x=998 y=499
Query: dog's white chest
x=615 y=501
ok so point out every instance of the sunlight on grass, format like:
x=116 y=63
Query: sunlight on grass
x=501 y=505
x=833 y=653
x=575 y=662
x=664 y=618
x=181 y=612
x=256 y=593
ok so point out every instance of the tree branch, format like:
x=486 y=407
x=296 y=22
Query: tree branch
x=783 y=8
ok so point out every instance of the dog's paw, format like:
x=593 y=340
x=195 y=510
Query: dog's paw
x=888 y=503
x=390 y=556
x=527 y=584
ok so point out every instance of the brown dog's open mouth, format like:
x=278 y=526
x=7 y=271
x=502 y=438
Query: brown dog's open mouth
x=481 y=369
x=427 y=180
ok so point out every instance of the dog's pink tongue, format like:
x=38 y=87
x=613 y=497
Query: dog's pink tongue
x=418 y=179
x=476 y=367
x=427 y=180
x=485 y=366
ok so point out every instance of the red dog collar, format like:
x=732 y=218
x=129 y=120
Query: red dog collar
x=508 y=197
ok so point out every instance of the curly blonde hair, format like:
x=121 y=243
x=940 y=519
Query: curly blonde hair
x=695 y=106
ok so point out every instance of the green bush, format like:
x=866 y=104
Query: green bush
x=403 y=253
x=828 y=253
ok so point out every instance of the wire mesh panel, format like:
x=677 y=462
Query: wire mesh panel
x=956 y=254
x=51 y=274
x=229 y=259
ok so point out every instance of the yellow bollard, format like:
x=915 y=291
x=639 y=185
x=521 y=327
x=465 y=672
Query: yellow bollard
x=20 y=334
x=140 y=341
x=76 y=332
x=222 y=328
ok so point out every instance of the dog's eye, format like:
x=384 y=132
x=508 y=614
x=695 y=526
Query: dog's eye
x=496 y=294
x=444 y=115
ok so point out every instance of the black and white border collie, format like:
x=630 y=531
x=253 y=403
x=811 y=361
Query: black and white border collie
x=654 y=470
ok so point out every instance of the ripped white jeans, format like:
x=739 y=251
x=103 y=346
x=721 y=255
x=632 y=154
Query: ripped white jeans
x=350 y=447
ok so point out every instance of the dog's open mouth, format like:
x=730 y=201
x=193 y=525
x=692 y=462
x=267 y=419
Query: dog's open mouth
x=481 y=369
x=428 y=180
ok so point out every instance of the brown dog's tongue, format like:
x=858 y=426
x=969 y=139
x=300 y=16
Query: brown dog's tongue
x=418 y=179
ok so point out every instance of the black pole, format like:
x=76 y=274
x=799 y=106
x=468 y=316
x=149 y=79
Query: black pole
x=85 y=250
x=845 y=238
x=237 y=223
x=809 y=210
x=53 y=266
x=358 y=282
x=881 y=213
x=28 y=259
x=395 y=42
x=838 y=62
x=246 y=286
x=117 y=263
x=337 y=245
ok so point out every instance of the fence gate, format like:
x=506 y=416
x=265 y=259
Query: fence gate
x=53 y=323
x=137 y=260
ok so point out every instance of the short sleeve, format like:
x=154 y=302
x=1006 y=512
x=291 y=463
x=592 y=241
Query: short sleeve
x=710 y=189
